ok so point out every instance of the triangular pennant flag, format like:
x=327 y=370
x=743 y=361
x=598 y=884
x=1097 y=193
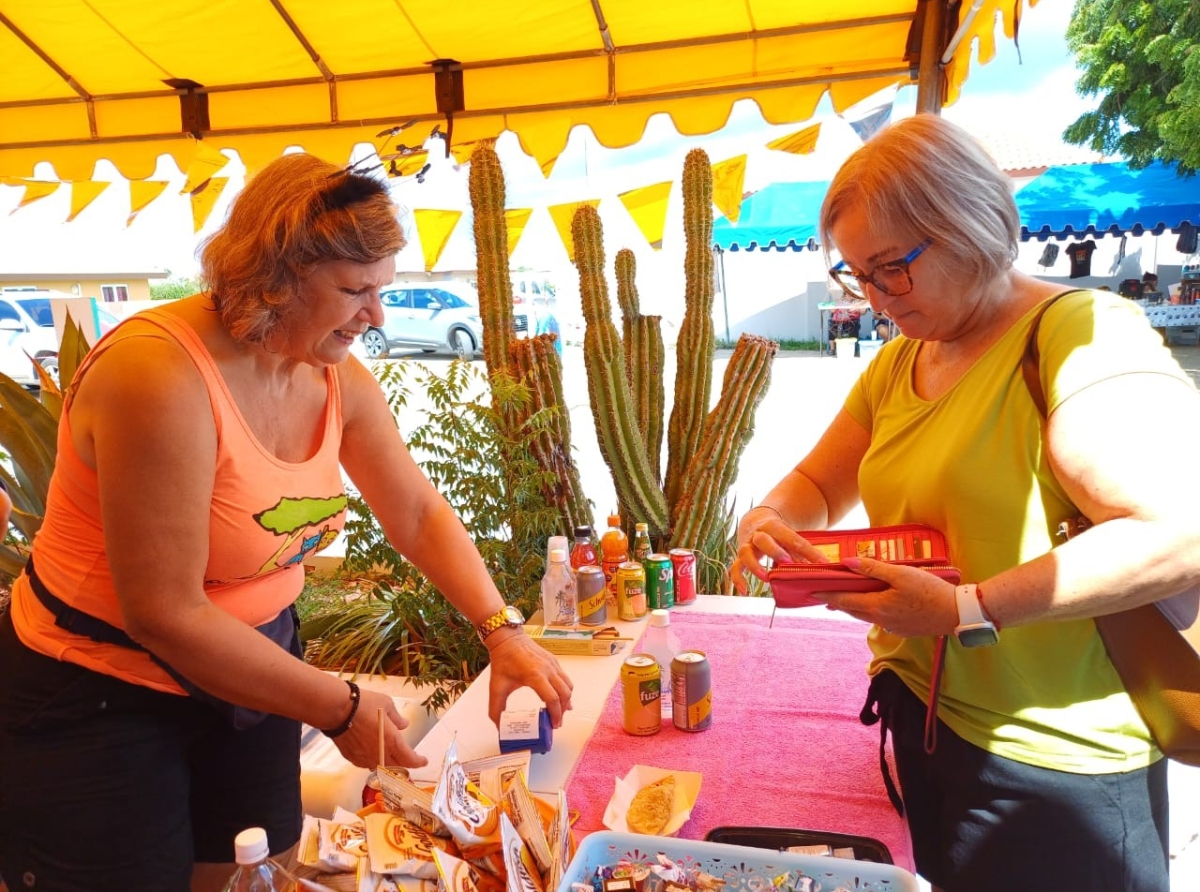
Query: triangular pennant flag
x=207 y=162
x=800 y=143
x=204 y=198
x=562 y=214
x=728 y=179
x=141 y=193
x=83 y=193
x=434 y=228
x=648 y=207
x=547 y=166
x=36 y=190
x=872 y=114
x=515 y=221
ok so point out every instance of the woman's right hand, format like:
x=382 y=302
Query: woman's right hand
x=763 y=534
x=360 y=744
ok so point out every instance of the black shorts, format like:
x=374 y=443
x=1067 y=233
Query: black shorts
x=109 y=785
x=984 y=823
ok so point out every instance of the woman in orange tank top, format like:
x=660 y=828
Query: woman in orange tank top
x=192 y=436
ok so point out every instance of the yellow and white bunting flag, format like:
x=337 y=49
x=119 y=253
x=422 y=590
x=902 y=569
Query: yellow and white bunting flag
x=83 y=193
x=802 y=142
x=562 y=214
x=728 y=179
x=204 y=198
x=141 y=193
x=648 y=207
x=207 y=161
x=434 y=228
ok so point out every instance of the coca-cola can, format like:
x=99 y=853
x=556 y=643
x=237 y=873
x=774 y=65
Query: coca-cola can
x=683 y=561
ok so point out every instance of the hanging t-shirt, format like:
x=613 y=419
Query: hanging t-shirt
x=1186 y=244
x=1081 y=258
x=1049 y=255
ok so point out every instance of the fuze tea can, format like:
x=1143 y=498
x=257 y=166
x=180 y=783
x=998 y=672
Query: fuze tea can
x=593 y=595
x=691 y=691
x=660 y=582
x=683 y=562
x=631 y=591
x=641 y=688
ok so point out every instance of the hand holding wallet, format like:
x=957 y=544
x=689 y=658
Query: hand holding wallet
x=796 y=583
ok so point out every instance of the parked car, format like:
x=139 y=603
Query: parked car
x=443 y=316
x=27 y=330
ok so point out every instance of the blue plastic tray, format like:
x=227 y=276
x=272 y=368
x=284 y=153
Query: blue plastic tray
x=743 y=869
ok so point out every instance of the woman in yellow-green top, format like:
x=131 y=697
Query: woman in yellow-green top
x=1043 y=776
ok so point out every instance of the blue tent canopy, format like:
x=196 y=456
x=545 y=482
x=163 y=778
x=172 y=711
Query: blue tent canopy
x=1095 y=199
x=780 y=217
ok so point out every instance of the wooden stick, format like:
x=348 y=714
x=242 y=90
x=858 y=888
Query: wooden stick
x=382 y=745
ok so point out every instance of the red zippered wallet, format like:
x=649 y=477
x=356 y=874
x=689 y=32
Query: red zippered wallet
x=796 y=583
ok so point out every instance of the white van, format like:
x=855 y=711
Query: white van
x=27 y=330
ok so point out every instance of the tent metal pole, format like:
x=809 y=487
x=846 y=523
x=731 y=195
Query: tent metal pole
x=930 y=83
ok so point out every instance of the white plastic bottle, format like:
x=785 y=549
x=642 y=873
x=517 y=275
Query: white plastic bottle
x=560 y=596
x=661 y=642
x=256 y=872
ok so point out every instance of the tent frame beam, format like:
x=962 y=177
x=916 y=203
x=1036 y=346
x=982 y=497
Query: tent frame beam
x=76 y=87
x=748 y=89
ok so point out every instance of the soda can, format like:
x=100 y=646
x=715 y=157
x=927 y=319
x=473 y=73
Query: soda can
x=641 y=688
x=631 y=591
x=660 y=582
x=683 y=562
x=691 y=691
x=593 y=595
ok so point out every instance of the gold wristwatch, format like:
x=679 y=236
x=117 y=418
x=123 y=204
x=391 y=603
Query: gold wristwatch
x=509 y=616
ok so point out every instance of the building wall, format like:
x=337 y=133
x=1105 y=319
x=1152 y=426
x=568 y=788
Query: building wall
x=139 y=288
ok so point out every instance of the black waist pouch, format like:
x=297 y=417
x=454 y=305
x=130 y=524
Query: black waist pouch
x=284 y=630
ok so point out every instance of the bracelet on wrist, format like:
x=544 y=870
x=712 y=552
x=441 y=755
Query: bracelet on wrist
x=355 y=696
x=987 y=614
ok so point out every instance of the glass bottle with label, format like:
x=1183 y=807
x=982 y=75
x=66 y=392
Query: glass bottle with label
x=641 y=542
x=661 y=642
x=583 y=552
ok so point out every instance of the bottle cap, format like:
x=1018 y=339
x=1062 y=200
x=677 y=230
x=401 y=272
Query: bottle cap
x=558 y=556
x=660 y=618
x=250 y=846
x=584 y=532
x=641 y=527
x=614 y=520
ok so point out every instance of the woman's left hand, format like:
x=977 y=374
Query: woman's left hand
x=917 y=603
x=517 y=662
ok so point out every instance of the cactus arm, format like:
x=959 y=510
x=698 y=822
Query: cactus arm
x=727 y=430
x=627 y=297
x=612 y=405
x=486 y=184
x=693 y=376
x=648 y=388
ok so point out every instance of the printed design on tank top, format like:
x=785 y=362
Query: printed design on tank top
x=294 y=520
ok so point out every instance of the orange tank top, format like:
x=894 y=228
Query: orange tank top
x=267 y=515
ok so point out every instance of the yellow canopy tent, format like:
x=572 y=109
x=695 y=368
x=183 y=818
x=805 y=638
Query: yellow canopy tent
x=128 y=80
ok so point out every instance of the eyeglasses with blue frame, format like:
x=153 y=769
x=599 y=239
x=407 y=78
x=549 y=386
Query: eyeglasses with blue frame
x=892 y=277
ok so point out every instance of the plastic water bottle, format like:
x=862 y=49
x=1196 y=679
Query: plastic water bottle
x=661 y=642
x=256 y=872
x=560 y=596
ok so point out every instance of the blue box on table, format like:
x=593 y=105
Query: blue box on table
x=743 y=869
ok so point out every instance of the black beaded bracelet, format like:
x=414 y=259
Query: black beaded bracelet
x=355 y=696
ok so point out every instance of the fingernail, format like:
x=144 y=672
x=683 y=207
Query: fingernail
x=853 y=563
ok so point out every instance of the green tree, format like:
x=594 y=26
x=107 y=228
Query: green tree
x=173 y=289
x=1140 y=58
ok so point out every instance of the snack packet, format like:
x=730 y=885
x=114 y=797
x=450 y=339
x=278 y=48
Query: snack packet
x=523 y=812
x=402 y=797
x=467 y=813
x=459 y=876
x=395 y=846
x=523 y=874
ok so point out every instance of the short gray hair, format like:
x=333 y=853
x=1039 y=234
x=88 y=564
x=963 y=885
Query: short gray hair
x=929 y=178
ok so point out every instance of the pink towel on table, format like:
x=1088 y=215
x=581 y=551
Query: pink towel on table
x=786 y=747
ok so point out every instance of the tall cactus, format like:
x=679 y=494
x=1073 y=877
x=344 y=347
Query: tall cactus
x=693 y=376
x=727 y=429
x=536 y=363
x=621 y=443
x=533 y=362
x=486 y=183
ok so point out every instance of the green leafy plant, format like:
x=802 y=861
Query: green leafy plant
x=29 y=437
x=487 y=471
